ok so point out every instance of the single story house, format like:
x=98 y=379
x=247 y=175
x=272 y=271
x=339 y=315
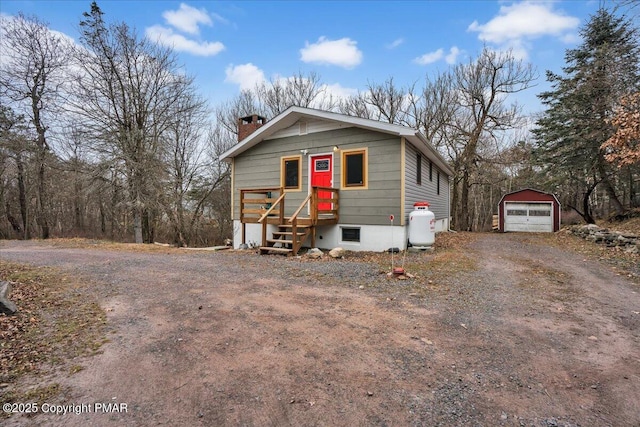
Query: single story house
x=318 y=178
x=529 y=210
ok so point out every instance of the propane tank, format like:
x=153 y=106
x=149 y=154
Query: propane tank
x=422 y=225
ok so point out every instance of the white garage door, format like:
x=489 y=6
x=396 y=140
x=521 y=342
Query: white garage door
x=534 y=217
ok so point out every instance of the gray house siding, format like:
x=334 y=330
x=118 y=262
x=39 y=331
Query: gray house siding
x=427 y=190
x=259 y=167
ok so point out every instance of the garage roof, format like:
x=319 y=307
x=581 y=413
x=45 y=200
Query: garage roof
x=529 y=189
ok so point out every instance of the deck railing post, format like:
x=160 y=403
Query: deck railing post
x=264 y=233
x=314 y=205
x=281 y=217
x=244 y=231
x=294 y=237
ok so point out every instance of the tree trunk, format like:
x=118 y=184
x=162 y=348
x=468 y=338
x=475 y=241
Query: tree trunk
x=103 y=219
x=586 y=206
x=22 y=197
x=632 y=190
x=454 y=203
x=137 y=225
x=40 y=199
x=613 y=198
x=464 y=202
x=77 y=201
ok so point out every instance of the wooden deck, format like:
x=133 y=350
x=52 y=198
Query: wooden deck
x=267 y=206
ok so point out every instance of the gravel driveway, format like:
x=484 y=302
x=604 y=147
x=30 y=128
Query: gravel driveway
x=519 y=333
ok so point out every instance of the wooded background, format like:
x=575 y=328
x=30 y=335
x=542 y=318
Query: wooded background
x=110 y=139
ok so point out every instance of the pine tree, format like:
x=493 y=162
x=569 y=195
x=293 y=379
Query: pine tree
x=576 y=123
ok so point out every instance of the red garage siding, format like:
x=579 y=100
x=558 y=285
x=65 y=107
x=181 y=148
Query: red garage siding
x=530 y=196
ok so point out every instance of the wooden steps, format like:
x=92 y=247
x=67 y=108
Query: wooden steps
x=284 y=240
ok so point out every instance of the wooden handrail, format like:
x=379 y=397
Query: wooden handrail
x=302 y=205
x=266 y=214
x=333 y=190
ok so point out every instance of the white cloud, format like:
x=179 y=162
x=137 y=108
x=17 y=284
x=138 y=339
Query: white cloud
x=429 y=58
x=518 y=48
x=452 y=56
x=247 y=76
x=525 y=21
x=337 y=91
x=394 y=44
x=343 y=52
x=187 y=19
x=168 y=37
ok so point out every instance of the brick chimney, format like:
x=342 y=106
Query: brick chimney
x=248 y=125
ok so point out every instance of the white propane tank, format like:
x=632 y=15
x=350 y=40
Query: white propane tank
x=422 y=225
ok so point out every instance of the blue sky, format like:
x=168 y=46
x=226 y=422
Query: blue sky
x=228 y=45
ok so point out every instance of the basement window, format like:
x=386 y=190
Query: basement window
x=350 y=234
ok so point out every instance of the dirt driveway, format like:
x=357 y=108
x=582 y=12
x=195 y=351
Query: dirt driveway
x=519 y=334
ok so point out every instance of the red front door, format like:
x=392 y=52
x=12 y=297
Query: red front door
x=322 y=176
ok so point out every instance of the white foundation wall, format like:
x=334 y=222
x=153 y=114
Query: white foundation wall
x=253 y=236
x=374 y=238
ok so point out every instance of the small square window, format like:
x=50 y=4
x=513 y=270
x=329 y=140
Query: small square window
x=322 y=165
x=350 y=234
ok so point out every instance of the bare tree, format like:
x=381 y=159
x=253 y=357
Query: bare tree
x=356 y=105
x=228 y=113
x=462 y=112
x=482 y=87
x=300 y=90
x=128 y=92
x=384 y=102
x=31 y=76
x=14 y=151
x=184 y=159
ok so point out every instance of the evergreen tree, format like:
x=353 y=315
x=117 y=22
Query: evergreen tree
x=576 y=123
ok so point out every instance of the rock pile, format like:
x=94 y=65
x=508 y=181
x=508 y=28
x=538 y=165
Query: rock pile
x=625 y=241
x=6 y=306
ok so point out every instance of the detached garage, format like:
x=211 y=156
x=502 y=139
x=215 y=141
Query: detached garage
x=529 y=210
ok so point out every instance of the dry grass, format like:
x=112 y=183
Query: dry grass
x=56 y=324
x=625 y=264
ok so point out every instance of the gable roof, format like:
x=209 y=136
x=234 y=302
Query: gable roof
x=529 y=189
x=292 y=114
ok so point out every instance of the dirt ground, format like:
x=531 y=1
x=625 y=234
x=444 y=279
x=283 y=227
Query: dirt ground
x=519 y=333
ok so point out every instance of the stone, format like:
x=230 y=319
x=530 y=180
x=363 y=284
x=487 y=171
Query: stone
x=632 y=250
x=6 y=306
x=315 y=253
x=243 y=246
x=337 y=253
